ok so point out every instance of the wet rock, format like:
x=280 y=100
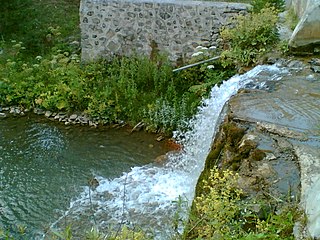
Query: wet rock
x=138 y=127
x=313 y=209
x=161 y=159
x=3 y=115
x=265 y=170
x=73 y=117
x=14 y=111
x=283 y=144
x=83 y=120
x=281 y=131
x=93 y=183
x=160 y=138
x=247 y=183
x=93 y=124
x=315 y=62
x=316 y=69
x=38 y=111
x=309 y=161
x=248 y=139
x=270 y=156
x=48 y=114
x=172 y=145
x=295 y=64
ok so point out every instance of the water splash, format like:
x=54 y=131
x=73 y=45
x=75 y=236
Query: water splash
x=145 y=195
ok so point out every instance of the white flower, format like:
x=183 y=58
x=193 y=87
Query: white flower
x=201 y=48
x=210 y=66
x=38 y=58
x=196 y=54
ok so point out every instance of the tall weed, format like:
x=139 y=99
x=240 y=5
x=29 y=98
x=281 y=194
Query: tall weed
x=251 y=37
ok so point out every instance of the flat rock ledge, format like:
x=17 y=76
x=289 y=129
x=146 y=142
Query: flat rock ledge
x=285 y=120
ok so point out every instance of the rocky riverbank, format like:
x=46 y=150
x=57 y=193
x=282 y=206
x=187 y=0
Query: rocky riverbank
x=271 y=136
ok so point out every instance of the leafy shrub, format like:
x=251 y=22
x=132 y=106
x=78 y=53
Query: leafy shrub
x=217 y=206
x=124 y=89
x=258 y=5
x=251 y=37
x=35 y=23
x=123 y=233
x=220 y=212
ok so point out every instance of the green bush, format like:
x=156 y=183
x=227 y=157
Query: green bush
x=221 y=212
x=258 y=5
x=130 y=89
x=35 y=23
x=124 y=89
x=251 y=37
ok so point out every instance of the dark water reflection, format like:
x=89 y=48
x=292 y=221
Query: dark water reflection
x=43 y=165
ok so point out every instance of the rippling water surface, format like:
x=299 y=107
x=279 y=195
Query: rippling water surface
x=44 y=165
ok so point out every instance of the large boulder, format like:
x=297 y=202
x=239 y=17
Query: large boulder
x=307 y=32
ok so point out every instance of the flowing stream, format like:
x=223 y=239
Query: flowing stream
x=135 y=193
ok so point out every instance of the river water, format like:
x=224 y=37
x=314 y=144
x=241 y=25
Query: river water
x=45 y=170
x=44 y=165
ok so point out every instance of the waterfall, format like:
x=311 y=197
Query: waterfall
x=146 y=195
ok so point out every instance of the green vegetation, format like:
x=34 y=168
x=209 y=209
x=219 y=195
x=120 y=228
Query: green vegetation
x=258 y=5
x=252 y=37
x=32 y=21
x=94 y=234
x=125 y=89
x=222 y=212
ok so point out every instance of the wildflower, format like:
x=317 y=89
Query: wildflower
x=196 y=54
x=210 y=67
x=17 y=45
x=38 y=58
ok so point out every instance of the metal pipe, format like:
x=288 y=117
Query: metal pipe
x=195 y=64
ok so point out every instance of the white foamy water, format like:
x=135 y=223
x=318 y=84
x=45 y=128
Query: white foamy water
x=145 y=196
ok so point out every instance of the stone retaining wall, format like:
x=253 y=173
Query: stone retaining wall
x=123 y=27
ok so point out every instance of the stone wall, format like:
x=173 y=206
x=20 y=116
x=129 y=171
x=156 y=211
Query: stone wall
x=124 y=27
